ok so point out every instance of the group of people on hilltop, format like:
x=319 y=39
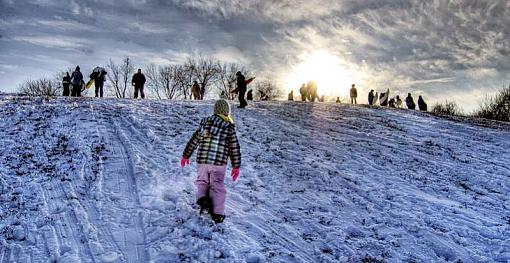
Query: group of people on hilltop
x=74 y=84
x=308 y=91
x=396 y=102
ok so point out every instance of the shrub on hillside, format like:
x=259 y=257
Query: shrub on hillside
x=496 y=107
x=40 y=87
x=449 y=108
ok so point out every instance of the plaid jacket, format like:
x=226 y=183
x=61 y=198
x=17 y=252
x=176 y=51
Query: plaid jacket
x=216 y=140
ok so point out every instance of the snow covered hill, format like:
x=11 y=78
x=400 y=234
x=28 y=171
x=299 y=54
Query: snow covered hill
x=85 y=180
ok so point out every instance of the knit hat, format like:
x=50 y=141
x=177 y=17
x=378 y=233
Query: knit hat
x=222 y=107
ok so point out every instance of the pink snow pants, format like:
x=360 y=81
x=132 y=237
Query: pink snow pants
x=210 y=177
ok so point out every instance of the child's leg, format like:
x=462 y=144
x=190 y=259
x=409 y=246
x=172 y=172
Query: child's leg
x=218 y=193
x=202 y=181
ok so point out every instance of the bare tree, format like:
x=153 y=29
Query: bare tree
x=152 y=75
x=268 y=88
x=205 y=70
x=119 y=76
x=227 y=78
x=41 y=87
x=114 y=77
x=184 y=75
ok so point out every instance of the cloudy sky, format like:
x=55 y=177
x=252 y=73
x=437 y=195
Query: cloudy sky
x=458 y=49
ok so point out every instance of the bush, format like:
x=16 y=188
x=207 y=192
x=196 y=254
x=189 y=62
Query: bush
x=449 y=108
x=40 y=87
x=496 y=107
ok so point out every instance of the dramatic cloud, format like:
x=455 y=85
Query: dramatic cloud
x=441 y=49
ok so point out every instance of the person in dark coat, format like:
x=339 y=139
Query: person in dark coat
x=391 y=103
x=354 y=94
x=195 y=91
x=99 y=77
x=338 y=100
x=249 y=95
x=138 y=81
x=303 y=91
x=371 y=97
x=410 y=102
x=241 y=89
x=421 y=104
x=66 y=82
x=77 y=82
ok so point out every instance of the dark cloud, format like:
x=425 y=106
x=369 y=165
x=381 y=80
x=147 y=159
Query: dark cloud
x=435 y=47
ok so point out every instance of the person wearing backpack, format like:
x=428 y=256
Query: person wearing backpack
x=216 y=141
x=77 y=82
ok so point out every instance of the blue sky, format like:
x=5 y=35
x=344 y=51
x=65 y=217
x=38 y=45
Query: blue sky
x=440 y=49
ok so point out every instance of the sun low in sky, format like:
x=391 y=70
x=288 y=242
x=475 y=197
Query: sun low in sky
x=334 y=76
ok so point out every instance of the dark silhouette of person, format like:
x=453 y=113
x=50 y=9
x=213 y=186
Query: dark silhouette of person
x=391 y=103
x=371 y=97
x=421 y=104
x=99 y=77
x=138 y=81
x=410 y=102
x=195 y=91
x=66 y=82
x=77 y=82
x=241 y=88
x=338 y=100
x=303 y=91
x=291 y=95
x=249 y=95
x=354 y=94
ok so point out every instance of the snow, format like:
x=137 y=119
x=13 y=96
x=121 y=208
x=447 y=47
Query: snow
x=86 y=180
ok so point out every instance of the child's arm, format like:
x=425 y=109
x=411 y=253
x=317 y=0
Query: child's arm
x=192 y=144
x=235 y=149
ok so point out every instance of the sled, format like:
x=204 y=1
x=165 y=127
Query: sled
x=248 y=81
x=89 y=84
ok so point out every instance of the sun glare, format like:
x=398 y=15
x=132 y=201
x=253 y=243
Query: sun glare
x=333 y=75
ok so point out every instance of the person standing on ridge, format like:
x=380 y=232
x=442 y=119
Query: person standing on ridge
x=241 y=88
x=99 y=77
x=354 y=94
x=410 y=102
x=421 y=104
x=138 y=81
x=195 y=91
x=398 y=102
x=371 y=97
x=77 y=82
x=66 y=82
x=302 y=91
x=291 y=95
x=216 y=141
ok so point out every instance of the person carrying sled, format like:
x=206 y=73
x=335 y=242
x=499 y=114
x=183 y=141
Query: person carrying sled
x=241 y=89
x=66 y=82
x=371 y=97
x=195 y=90
x=99 y=77
x=217 y=142
x=77 y=82
x=138 y=81
x=421 y=104
x=410 y=102
x=303 y=91
x=354 y=94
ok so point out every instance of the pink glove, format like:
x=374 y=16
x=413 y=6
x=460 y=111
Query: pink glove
x=235 y=173
x=184 y=162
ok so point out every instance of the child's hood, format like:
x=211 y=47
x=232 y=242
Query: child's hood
x=215 y=124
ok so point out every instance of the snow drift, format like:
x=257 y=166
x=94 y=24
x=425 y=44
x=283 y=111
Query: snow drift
x=84 y=180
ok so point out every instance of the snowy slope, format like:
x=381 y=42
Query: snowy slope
x=84 y=180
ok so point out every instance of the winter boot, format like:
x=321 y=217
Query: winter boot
x=217 y=218
x=205 y=203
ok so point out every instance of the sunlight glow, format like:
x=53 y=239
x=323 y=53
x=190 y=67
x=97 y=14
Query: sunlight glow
x=333 y=75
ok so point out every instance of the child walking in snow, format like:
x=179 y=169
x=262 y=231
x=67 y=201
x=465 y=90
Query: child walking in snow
x=216 y=141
